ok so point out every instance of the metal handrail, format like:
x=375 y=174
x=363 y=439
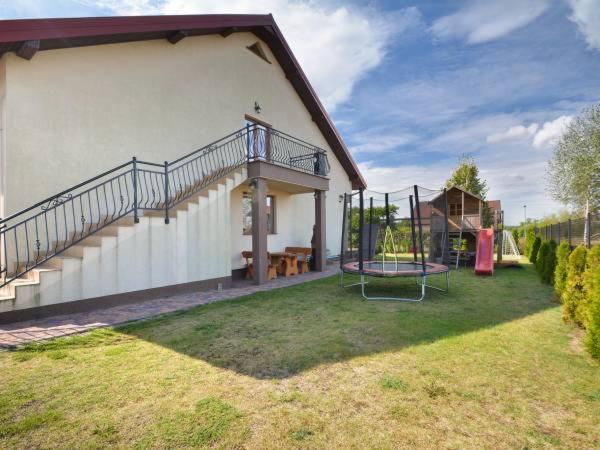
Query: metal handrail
x=48 y=228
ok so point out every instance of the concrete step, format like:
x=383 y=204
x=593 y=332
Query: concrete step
x=10 y=290
x=75 y=251
x=56 y=263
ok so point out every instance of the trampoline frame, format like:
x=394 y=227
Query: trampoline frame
x=423 y=284
x=382 y=274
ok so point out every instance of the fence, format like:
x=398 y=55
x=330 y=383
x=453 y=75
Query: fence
x=573 y=231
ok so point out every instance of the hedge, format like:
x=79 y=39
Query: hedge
x=577 y=282
x=592 y=339
x=529 y=239
x=535 y=248
x=592 y=265
x=542 y=255
x=560 y=272
x=548 y=263
x=573 y=293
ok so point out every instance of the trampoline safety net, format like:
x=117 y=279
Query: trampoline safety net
x=405 y=226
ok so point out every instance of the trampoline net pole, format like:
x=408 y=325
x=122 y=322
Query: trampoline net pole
x=370 y=228
x=420 y=226
x=361 y=221
x=412 y=228
x=344 y=219
x=446 y=240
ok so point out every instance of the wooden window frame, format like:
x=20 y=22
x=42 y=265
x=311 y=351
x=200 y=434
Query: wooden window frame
x=248 y=195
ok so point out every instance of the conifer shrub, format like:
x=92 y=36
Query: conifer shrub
x=535 y=248
x=592 y=265
x=529 y=239
x=560 y=272
x=542 y=256
x=592 y=339
x=573 y=293
x=549 y=263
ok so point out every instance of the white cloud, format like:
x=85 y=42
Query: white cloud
x=540 y=136
x=551 y=131
x=515 y=132
x=586 y=14
x=379 y=141
x=482 y=21
x=335 y=45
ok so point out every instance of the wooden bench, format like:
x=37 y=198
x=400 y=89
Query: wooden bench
x=303 y=255
x=271 y=269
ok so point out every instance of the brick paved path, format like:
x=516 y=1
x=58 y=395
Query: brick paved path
x=12 y=335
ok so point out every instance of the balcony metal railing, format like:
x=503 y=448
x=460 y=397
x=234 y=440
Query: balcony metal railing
x=48 y=228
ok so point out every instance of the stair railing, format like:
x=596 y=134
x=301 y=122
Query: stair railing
x=48 y=228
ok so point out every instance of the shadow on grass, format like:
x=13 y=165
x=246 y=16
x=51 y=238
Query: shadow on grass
x=280 y=333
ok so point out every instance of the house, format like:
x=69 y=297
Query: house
x=465 y=216
x=142 y=155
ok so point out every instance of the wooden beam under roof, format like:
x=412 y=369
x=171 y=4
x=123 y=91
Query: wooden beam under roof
x=174 y=38
x=28 y=49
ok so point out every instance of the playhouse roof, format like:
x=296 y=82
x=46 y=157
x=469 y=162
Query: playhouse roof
x=26 y=37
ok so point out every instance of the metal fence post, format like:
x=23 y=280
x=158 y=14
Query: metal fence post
x=136 y=219
x=569 y=233
x=589 y=228
x=166 y=192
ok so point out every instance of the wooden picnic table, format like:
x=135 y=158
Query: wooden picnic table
x=285 y=263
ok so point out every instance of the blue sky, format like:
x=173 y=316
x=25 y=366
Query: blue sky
x=413 y=85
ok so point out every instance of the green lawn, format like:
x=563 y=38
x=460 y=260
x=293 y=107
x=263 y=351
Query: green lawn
x=488 y=365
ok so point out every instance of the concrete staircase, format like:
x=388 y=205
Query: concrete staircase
x=128 y=256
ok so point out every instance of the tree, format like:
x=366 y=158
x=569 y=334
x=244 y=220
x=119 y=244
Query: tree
x=573 y=174
x=466 y=176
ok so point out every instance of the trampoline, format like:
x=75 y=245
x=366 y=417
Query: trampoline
x=390 y=269
x=374 y=246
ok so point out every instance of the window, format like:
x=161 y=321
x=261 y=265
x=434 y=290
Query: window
x=455 y=209
x=247 y=213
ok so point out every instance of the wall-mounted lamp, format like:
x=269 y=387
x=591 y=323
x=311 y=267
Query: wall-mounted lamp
x=340 y=198
x=257 y=108
x=253 y=183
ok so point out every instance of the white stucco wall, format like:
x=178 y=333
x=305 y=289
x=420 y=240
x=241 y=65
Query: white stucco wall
x=2 y=135
x=72 y=113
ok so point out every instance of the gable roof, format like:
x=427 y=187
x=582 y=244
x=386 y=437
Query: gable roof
x=26 y=37
x=466 y=192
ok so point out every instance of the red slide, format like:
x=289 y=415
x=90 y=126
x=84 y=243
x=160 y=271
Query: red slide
x=484 y=260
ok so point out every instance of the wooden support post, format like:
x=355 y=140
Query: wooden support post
x=259 y=231
x=320 y=236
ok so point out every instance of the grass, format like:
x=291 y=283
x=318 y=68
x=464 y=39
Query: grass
x=488 y=365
